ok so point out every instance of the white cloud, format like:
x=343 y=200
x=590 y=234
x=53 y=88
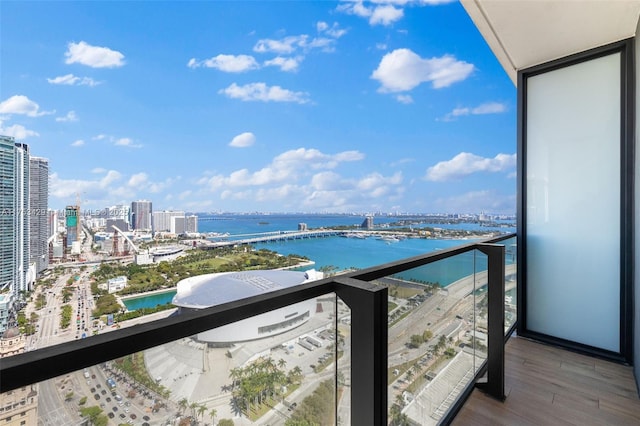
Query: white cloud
x=93 y=56
x=489 y=108
x=384 y=12
x=264 y=93
x=381 y=14
x=285 y=45
x=138 y=180
x=332 y=31
x=404 y=99
x=288 y=166
x=290 y=44
x=71 y=116
x=385 y=15
x=466 y=163
x=98 y=170
x=243 y=140
x=17 y=131
x=93 y=188
x=486 y=108
x=77 y=143
x=20 y=104
x=72 y=80
x=227 y=63
x=128 y=142
x=285 y=64
x=381 y=46
x=99 y=137
x=402 y=70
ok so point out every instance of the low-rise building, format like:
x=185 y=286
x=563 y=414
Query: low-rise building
x=19 y=407
x=11 y=342
x=116 y=284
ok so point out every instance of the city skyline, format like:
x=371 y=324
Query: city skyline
x=302 y=107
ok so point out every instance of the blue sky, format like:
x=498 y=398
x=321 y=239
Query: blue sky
x=395 y=106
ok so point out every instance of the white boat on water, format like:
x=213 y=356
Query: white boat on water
x=390 y=239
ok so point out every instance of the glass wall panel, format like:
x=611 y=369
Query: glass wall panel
x=573 y=202
x=433 y=336
x=510 y=283
x=342 y=352
x=204 y=378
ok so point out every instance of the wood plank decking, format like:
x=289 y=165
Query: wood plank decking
x=546 y=385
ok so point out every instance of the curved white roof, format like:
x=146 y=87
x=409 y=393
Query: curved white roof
x=208 y=290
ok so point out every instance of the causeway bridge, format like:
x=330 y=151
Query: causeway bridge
x=263 y=237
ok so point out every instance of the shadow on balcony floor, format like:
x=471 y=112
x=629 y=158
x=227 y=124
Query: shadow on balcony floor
x=551 y=386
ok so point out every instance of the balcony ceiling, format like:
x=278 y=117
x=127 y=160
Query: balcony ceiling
x=524 y=33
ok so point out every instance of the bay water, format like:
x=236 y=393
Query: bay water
x=340 y=253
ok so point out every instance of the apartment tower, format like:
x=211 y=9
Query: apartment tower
x=141 y=212
x=38 y=200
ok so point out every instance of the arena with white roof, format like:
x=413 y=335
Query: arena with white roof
x=203 y=291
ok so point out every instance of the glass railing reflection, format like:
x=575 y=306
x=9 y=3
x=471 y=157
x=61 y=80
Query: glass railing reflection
x=434 y=336
x=510 y=283
x=280 y=375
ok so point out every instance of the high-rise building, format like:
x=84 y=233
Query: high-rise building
x=162 y=219
x=14 y=225
x=38 y=209
x=367 y=223
x=72 y=223
x=21 y=217
x=119 y=212
x=7 y=222
x=191 y=224
x=52 y=223
x=141 y=212
x=177 y=225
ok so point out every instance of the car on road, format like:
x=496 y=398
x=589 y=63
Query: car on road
x=111 y=415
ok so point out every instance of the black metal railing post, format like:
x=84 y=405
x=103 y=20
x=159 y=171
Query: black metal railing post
x=369 y=337
x=494 y=386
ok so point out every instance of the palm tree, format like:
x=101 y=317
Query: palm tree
x=212 y=414
x=234 y=375
x=282 y=363
x=193 y=406
x=183 y=404
x=201 y=410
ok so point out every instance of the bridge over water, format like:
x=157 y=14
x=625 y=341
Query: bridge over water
x=263 y=237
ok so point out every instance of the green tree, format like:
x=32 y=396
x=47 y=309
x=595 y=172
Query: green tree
x=183 y=404
x=201 y=410
x=226 y=422
x=94 y=415
x=212 y=414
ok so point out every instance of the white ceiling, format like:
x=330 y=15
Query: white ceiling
x=523 y=33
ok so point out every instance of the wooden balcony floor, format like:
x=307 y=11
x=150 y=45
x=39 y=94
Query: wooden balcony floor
x=551 y=386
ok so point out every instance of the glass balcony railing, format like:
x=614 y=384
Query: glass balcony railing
x=402 y=342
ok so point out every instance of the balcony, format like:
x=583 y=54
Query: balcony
x=406 y=343
x=409 y=338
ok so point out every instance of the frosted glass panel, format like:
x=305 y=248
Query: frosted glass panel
x=573 y=203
